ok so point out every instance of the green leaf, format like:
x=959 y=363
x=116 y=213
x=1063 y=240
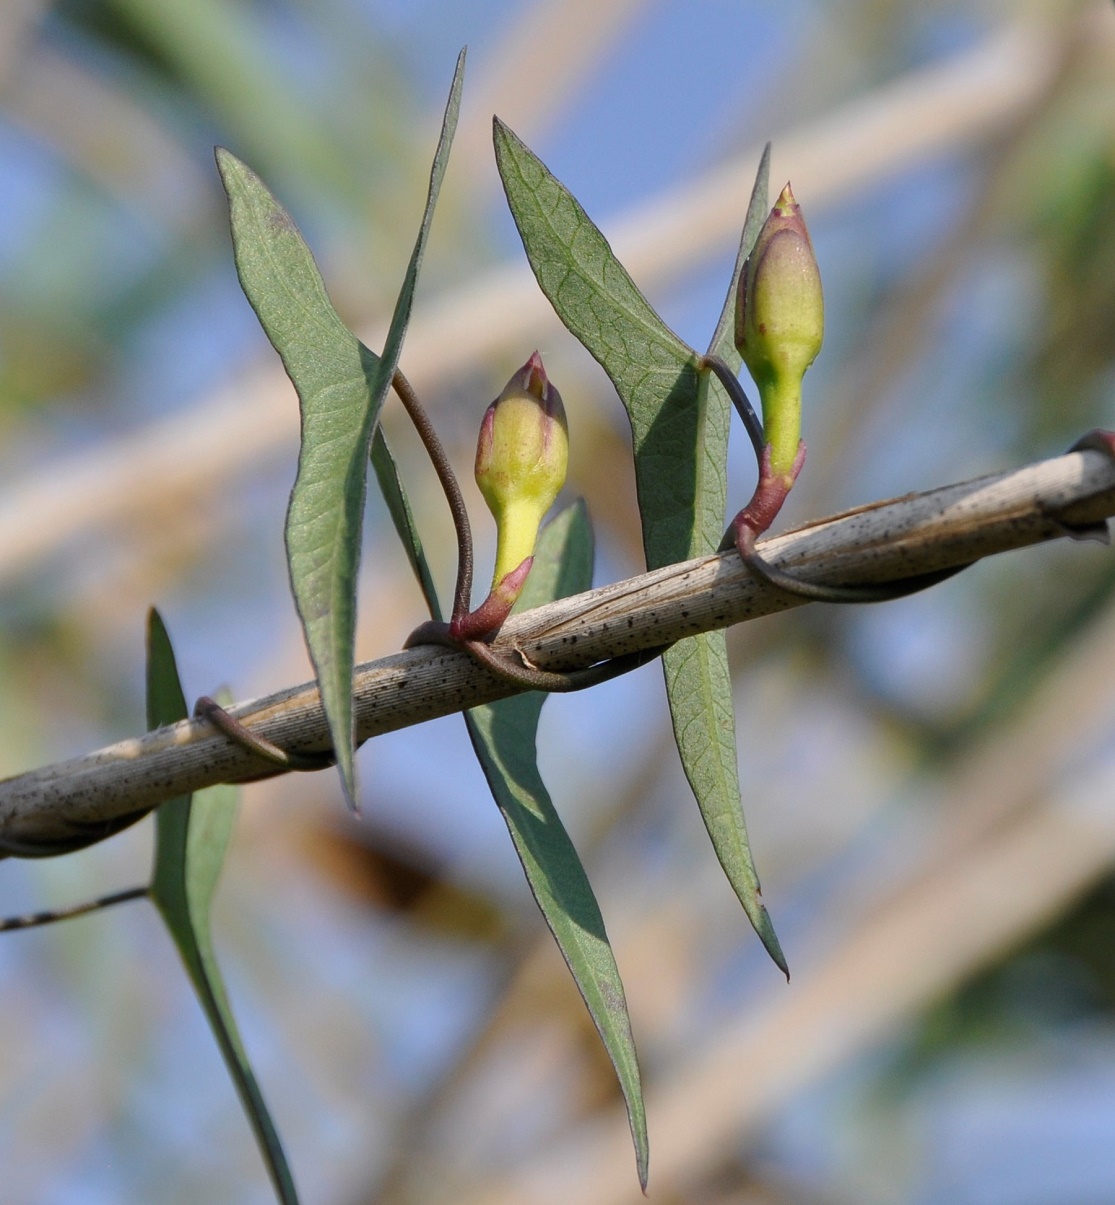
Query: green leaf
x=679 y=423
x=398 y=507
x=654 y=372
x=191 y=838
x=341 y=387
x=698 y=680
x=723 y=343
x=503 y=735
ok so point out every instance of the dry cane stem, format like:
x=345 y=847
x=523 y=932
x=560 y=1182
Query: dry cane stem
x=904 y=537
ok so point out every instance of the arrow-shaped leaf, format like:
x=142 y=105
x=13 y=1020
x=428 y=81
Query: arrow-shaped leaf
x=723 y=342
x=503 y=735
x=341 y=386
x=698 y=681
x=398 y=507
x=191 y=838
x=679 y=423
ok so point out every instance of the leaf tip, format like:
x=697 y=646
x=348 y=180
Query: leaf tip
x=157 y=639
x=230 y=169
x=502 y=133
x=765 y=929
x=226 y=160
x=348 y=786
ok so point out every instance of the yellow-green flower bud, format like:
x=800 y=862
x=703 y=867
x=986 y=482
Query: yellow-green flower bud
x=780 y=322
x=521 y=460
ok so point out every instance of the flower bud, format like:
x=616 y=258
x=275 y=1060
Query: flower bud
x=780 y=321
x=521 y=459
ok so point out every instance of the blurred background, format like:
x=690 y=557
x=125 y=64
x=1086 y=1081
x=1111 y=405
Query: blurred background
x=929 y=784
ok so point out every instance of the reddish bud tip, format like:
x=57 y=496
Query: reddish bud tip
x=534 y=377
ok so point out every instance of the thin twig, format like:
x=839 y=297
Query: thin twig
x=32 y=919
x=739 y=399
x=462 y=593
x=884 y=542
x=212 y=711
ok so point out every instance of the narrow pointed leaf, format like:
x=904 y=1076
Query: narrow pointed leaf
x=336 y=379
x=503 y=735
x=679 y=423
x=698 y=681
x=341 y=386
x=723 y=337
x=191 y=838
x=654 y=372
x=398 y=507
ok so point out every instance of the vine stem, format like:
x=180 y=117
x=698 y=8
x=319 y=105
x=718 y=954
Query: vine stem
x=33 y=919
x=744 y=536
x=752 y=424
x=462 y=593
x=883 y=542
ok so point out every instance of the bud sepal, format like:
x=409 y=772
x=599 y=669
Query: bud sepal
x=780 y=319
x=521 y=459
x=780 y=322
x=489 y=616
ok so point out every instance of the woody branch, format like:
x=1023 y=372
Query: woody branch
x=884 y=542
